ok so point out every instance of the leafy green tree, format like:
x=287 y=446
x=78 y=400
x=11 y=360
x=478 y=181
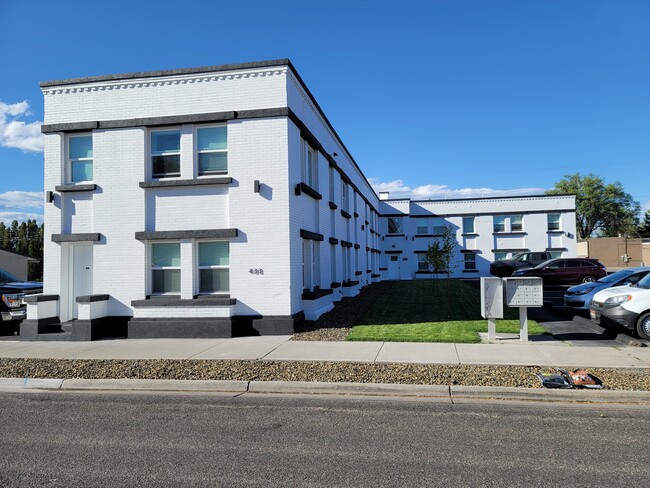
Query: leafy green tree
x=644 y=228
x=440 y=254
x=601 y=209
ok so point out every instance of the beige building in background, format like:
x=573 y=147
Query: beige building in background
x=616 y=252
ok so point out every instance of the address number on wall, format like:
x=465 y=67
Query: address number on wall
x=256 y=271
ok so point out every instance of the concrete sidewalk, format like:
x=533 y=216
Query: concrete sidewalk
x=280 y=348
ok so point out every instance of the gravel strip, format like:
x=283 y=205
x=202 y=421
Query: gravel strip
x=336 y=324
x=400 y=373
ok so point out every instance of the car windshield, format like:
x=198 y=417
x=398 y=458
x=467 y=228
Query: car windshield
x=7 y=277
x=619 y=275
x=644 y=282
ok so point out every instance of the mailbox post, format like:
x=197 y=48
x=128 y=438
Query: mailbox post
x=524 y=293
x=492 y=303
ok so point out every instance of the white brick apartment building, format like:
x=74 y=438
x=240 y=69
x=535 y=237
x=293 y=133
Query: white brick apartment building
x=202 y=202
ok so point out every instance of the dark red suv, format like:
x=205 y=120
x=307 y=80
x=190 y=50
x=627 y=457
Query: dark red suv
x=565 y=271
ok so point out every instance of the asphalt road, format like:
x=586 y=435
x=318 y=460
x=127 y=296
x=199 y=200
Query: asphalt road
x=87 y=439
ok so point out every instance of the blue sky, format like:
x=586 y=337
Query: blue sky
x=434 y=99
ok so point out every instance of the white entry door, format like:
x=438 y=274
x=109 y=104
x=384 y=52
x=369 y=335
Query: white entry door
x=393 y=267
x=82 y=274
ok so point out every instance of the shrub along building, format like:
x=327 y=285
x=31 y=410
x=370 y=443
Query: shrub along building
x=210 y=201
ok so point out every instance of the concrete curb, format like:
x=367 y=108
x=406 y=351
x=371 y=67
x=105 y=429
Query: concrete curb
x=363 y=389
x=49 y=384
x=453 y=394
x=156 y=385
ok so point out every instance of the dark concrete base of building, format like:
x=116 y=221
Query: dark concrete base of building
x=179 y=328
x=198 y=328
x=51 y=329
x=258 y=325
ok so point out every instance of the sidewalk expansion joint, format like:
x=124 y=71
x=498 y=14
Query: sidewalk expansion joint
x=374 y=360
x=274 y=349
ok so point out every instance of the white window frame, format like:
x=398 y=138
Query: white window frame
x=521 y=223
x=501 y=221
x=438 y=229
x=197 y=152
x=308 y=164
x=500 y=255
x=153 y=268
x=344 y=196
x=469 y=264
x=153 y=154
x=399 y=221
x=70 y=161
x=310 y=264
x=465 y=229
x=217 y=266
x=553 y=225
x=423 y=265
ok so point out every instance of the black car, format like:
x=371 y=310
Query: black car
x=506 y=267
x=566 y=271
x=12 y=292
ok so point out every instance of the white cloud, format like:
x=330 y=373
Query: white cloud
x=398 y=189
x=21 y=199
x=21 y=206
x=9 y=217
x=17 y=133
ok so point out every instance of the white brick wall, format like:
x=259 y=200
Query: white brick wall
x=162 y=96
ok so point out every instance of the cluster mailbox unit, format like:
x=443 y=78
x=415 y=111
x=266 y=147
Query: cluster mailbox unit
x=519 y=292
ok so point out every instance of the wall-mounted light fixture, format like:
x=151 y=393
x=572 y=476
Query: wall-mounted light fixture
x=334 y=154
x=49 y=197
x=256 y=187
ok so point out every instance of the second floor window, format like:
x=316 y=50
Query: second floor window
x=499 y=223
x=468 y=225
x=516 y=223
x=80 y=156
x=166 y=153
x=212 y=150
x=395 y=225
x=308 y=163
x=553 y=221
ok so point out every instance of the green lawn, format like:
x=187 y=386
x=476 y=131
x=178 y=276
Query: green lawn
x=432 y=311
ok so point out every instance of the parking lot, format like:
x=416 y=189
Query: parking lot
x=574 y=326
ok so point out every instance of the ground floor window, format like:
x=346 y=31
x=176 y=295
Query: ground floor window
x=214 y=267
x=423 y=265
x=500 y=256
x=165 y=267
x=470 y=261
x=333 y=261
x=310 y=264
x=555 y=254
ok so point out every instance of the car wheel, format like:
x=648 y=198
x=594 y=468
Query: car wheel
x=588 y=279
x=643 y=326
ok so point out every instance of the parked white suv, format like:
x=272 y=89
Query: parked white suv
x=628 y=306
